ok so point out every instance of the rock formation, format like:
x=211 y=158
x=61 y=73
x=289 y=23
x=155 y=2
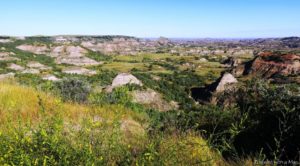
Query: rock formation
x=50 y=78
x=153 y=100
x=209 y=92
x=63 y=54
x=202 y=60
x=7 y=56
x=123 y=46
x=222 y=84
x=31 y=71
x=73 y=55
x=6 y=76
x=36 y=49
x=16 y=67
x=231 y=62
x=38 y=66
x=123 y=79
x=79 y=71
x=269 y=65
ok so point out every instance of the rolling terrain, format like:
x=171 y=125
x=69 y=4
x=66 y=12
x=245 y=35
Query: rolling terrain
x=120 y=100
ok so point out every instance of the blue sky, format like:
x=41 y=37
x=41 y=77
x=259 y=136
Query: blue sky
x=152 y=18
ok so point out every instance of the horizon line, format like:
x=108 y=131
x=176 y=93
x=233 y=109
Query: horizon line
x=93 y=35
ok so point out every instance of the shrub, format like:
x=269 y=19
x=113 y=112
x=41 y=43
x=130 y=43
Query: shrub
x=271 y=121
x=52 y=143
x=73 y=89
x=98 y=56
x=173 y=86
x=119 y=95
x=45 y=145
x=263 y=120
x=29 y=79
x=105 y=77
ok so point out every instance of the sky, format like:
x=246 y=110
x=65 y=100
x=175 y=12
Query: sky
x=152 y=18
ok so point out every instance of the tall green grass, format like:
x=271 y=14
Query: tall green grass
x=37 y=128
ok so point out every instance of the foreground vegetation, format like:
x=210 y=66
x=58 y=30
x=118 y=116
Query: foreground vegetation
x=39 y=129
x=51 y=128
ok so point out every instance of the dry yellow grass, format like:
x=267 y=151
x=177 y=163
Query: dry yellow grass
x=25 y=104
x=21 y=105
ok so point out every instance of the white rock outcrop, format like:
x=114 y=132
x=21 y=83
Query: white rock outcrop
x=16 y=67
x=6 y=56
x=37 y=65
x=123 y=79
x=77 y=61
x=63 y=54
x=203 y=60
x=34 y=49
x=226 y=79
x=74 y=55
x=5 y=40
x=146 y=97
x=6 y=76
x=79 y=71
x=50 y=78
x=153 y=99
x=31 y=71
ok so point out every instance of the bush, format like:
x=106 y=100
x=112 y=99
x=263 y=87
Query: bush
x=119 y=95
x=264 y=120
x=98 y=56
x=271 y=121
x=29 y=79
x=52 y=143
x=73 y=89
x=105 y=77
x=174 y=87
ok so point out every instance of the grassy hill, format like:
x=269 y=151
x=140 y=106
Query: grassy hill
x=37 y=128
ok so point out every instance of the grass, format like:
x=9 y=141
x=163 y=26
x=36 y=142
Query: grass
x=142 y=62
x=123 y=66
x=155 y=57
x=97 y=56
x=141 y=57
x=39 y=129
x=18 y=100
